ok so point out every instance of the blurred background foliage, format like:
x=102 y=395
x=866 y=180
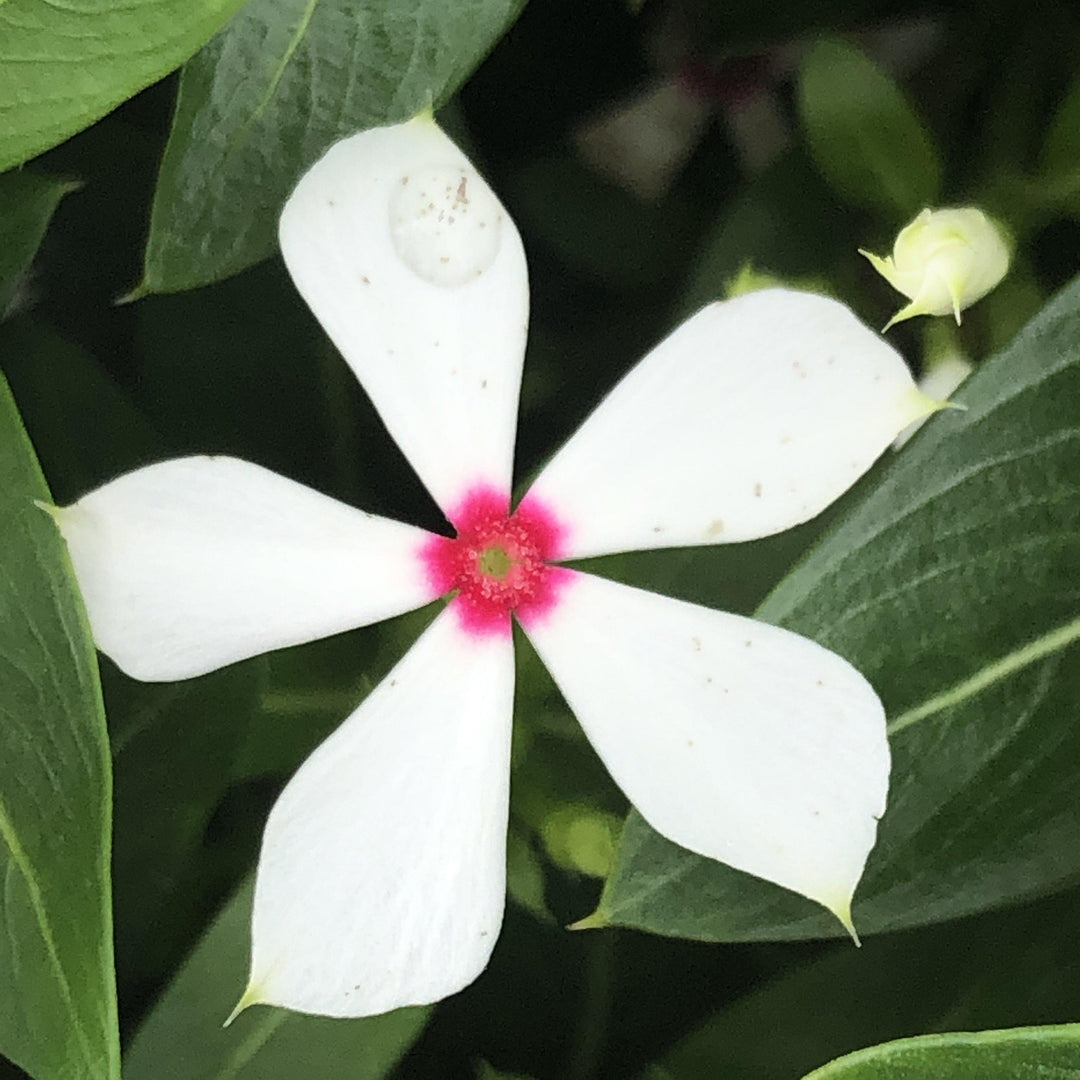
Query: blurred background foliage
x=653 y=155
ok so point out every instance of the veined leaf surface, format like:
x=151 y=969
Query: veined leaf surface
x=955 y=588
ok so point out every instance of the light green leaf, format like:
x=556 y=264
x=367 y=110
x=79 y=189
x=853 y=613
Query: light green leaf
x=183 y=1039
x=953 y=588
x=866 y=138
x=270 y=93
x=1046 y=1053
x=57 y=994
x=66 y=65
x=27 y=202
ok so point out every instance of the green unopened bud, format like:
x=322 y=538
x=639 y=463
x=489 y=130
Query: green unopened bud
x=943 y=262
x=582 y=839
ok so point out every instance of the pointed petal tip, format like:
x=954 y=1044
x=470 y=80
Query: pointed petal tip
x=923 y=405
x=426 y=114
x=53 y=511
x=137 y=293
x=842 y=910
x=596 y=921
x=909 y=311
x=250 y=996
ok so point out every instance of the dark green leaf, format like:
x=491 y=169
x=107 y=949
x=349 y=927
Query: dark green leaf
x=86 y=428
x=270 y=93
x=1048 y=1053
x=27 y=202
x=66 y=65
x=173 y=750
x=954 y=588
x=999 y=968
x=183 y=1038
x=866 y=139
x=1060 y=161
x=57 y=994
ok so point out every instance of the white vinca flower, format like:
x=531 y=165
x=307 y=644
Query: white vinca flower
x=943 y=262
x=381 y=877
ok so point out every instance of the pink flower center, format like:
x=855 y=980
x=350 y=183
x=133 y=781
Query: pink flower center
x=499 y=563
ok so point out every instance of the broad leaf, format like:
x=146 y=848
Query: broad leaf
x=865 y=137
x=173 y=747
x=184 y=1040
x=57 y=995
x=86 y=428
x=980 y=1055
x=27 y=202
x=272 y=91
x=66 y=65
x=1000 y=968
x=953 y=588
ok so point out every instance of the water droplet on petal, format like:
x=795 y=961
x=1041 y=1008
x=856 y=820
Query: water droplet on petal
x=445 y=225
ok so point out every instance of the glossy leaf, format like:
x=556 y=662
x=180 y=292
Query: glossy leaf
x=272 y=91
x=66 y=65
x=980 y=1055
x=865 y=137
x=57 y=995
x=953 y=588
x=27 y=202
x=183 y=1037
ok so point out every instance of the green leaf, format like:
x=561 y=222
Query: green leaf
x=183 y=1038
x=953 y=588
x=173 y=748
x=27 y=202
x=60 y=389
x=867 y=140
x=57 y=994
x=1000 y=968
x=1059 y=180
x=270 y=93
x=66 y=65
x=981 y=1055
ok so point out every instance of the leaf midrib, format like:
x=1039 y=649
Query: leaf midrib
x=1038 y=649
x=25 y=868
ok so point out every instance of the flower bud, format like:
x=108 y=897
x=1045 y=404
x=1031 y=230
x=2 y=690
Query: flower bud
x=582 y=839
x=944 y=261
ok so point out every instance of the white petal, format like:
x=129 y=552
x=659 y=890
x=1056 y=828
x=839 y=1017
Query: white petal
x=417 y=274
x=382 y=874
x=197 y=562
x=736 y=739
x=752 y=416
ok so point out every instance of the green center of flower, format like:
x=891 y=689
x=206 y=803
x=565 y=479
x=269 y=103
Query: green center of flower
x=495 y=562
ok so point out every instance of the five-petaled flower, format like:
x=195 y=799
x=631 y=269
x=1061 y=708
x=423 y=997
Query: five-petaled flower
x=381 y=877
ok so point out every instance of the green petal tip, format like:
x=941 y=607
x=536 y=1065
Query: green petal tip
x=595 y=921
x=249 y=997
x=842 y=911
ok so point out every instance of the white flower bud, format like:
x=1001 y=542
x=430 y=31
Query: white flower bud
x=944 y=261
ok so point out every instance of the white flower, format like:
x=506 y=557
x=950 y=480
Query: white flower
x=381 y=877
x=943 y=261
